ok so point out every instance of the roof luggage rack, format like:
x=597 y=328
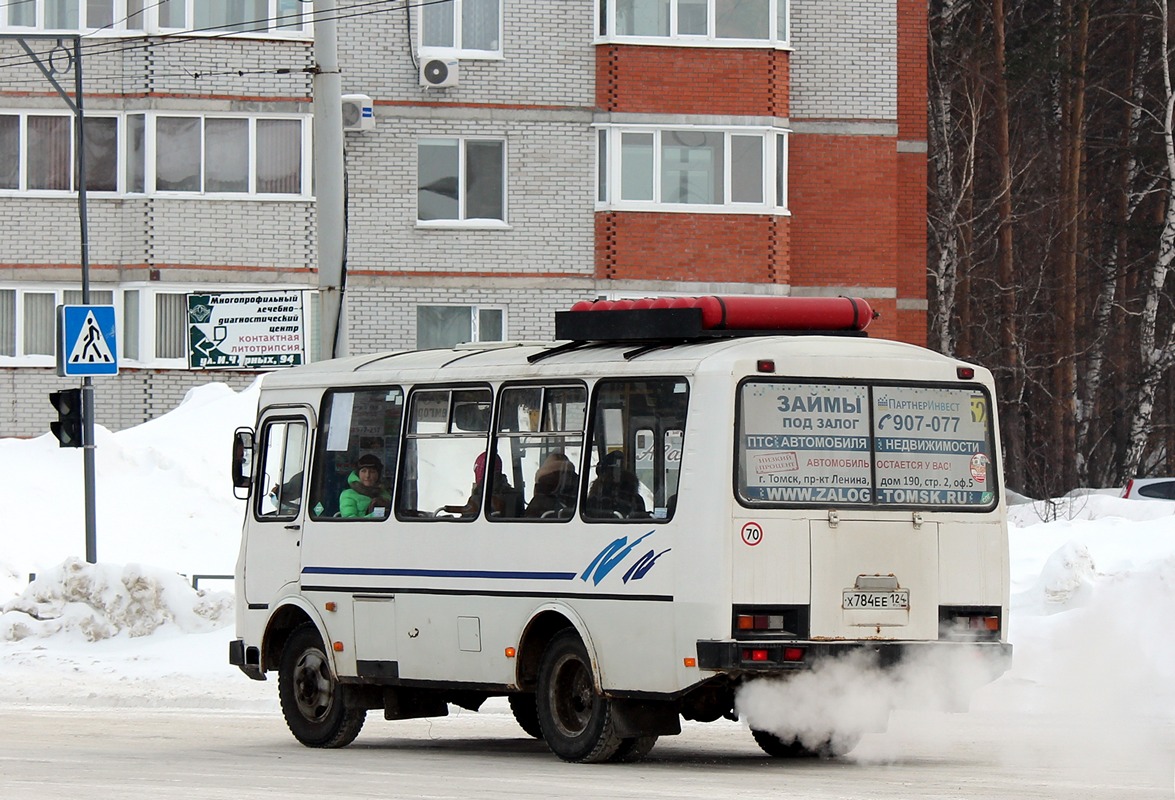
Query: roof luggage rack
x=676 y=319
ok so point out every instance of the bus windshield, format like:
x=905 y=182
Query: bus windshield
x=856 y=444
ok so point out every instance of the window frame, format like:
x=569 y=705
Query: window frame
x=151 y=22
x=21 y=359
x=389 y=453
x=263 y=494
x=149 y=165
x=610 y=169
x=462 y=220
x=606 y=28
x=871 y=434
x=458 y=49
x=22 y=189
x=466 y=442
x=146 y=172
x=475 y=321
x=545 y=437
x=604 y=420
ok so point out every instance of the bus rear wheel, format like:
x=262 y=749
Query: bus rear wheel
x=575 y=720
x=633 y=750
x=526 y=713
x=319 y=711
x=772 y=745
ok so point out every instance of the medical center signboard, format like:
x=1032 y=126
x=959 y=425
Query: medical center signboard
x=246 y=330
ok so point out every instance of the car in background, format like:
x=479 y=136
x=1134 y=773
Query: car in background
x=1149 y=489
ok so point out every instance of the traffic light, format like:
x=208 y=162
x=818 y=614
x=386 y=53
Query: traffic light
x=68 y=427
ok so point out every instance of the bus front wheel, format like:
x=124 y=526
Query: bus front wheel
x=576 y=721
x=319 y=711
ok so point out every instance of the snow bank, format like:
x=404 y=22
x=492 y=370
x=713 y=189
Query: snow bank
x=99 y=601
x=162 y=493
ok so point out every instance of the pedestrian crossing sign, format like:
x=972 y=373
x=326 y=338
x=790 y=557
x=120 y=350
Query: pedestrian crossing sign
x=86 y=342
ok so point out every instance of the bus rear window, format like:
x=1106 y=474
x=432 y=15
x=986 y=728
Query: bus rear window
x=865 y=445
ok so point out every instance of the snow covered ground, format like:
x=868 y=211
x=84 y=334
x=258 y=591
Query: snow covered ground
x=1092 y=621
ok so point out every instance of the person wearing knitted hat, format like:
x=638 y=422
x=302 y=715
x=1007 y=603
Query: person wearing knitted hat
x=615 y=491
x=501 y=492
x=365 y=498
x=556 y=485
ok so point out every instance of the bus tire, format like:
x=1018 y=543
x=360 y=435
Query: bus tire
x=526 y=713
x=634 y=749
x=319 y=711
x=576 y=721
x=772 y=745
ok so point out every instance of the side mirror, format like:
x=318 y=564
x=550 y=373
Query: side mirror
x=242 y=469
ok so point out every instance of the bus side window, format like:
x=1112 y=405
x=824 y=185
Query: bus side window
x=540 y=444
x=446 y=435
x=354 y=426
x=283 y=457
x=637 y=438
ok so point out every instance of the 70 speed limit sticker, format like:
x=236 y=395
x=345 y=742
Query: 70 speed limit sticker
x=752 y=534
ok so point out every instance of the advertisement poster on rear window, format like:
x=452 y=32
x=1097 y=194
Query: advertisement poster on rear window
x=807 y=443
x=932 y=446
x=847 y=444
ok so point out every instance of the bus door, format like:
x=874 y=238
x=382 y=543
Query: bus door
x=350 y=544
x=874 y=579
x=272 y=553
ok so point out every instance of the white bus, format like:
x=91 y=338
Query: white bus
x=620 y=529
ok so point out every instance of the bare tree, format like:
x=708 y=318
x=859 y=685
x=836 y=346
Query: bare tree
x=1156 y=344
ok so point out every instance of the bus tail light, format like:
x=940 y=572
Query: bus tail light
x=773 y=654
x=761 y=623
x=770 y=621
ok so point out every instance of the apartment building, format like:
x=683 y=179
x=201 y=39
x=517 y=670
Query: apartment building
x=520 y=155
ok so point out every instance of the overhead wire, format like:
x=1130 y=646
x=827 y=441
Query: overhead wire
x=227 y=32
x=219 y=32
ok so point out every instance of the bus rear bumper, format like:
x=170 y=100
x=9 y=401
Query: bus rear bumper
x=764 y=657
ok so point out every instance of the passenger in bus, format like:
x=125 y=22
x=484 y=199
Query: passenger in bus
x=616 y=491
x=366 y=497
x=285 y=498
x=555 y=486
x=504 y=499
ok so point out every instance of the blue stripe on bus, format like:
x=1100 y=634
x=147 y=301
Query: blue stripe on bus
x=441 y=573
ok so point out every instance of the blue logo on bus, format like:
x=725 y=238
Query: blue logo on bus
x=617 y=551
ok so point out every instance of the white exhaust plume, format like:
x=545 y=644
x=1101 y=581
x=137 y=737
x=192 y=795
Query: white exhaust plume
x=829 y=707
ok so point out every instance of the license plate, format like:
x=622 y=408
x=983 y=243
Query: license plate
x=899 y=599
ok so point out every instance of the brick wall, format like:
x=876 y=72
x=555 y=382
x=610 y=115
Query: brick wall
x=546 y=49
x=550 y=185
x=844 y=219
x=383 y=317
x=692 y=247
x=912 y=170
x=843 y=64
x=678 y=80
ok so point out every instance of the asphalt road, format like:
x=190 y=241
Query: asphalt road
x=110 y=753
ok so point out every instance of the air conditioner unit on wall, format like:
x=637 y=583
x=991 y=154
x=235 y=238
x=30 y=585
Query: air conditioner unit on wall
x=358 y=112
x=438 y=73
